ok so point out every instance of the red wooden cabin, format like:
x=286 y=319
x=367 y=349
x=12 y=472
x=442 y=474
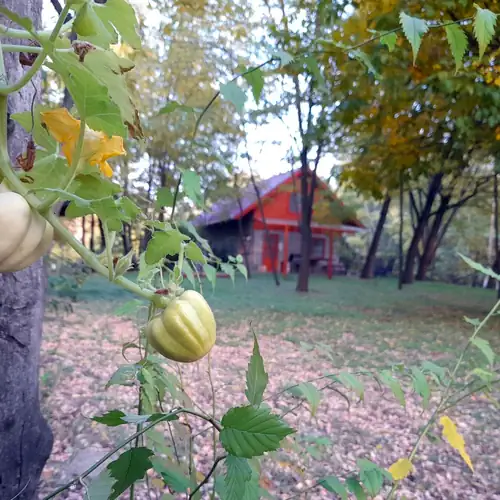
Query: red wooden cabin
x=232 y=225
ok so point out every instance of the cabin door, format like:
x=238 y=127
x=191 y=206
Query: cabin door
x=270 y=251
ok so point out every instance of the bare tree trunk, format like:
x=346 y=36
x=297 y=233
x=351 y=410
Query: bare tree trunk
x=25 y=437
x=267 y=234
x=401 y=228
x=84 y=231
x=127 y=246
x=367 y=271
x=92 y=231
x=101 y=233
x=240 y=229
x=431 y=242
x=412 y=253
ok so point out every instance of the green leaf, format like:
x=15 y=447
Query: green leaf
x=430 y=367
x=162 y=244
x=364 y=58
x=421 y=386
x=389 y=41
x=413 y=29
x=387 y=379
x=355 y=488
x=313 y=67
x=40 y=134
x=255 y=79
x=172 y=474
x=188 y=271
x=237 y=476
x=228 y=269
x=124 y=375
x=457 y=40
x=211 y=273
x=115 y=418
x=484 y=346
x=484 y=28
x=478 y=267
x=24 y=22
x=284 y=57
x=243 y=270
x=119 y=16
x=371 y=476
x=164 y=198
x=333 y=484
x=484 y=375
x=310 y=393
x=46 y=171
x=89 y=93
x=189 y=227
x=472 y=321
x=174 y=106
x=249 y=432
x=234 y=94
x=352 y=382
x=130 y=467
x=256 y=376
x=192 y=186
x=194 y=253
x=100 y=488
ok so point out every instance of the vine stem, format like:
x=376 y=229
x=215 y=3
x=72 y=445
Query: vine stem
x=446 y=394
x=207 y=477
x=93 y=467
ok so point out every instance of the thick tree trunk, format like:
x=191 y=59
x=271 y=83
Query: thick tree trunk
x=243 y=241
x=25 y=437
x=432 y=240
x=125 y=238
x=101 y=234
x=267 y=234
x=307 y=200
x=412 y=253
x=84 y=231
x=367 y=271
x=92 y=233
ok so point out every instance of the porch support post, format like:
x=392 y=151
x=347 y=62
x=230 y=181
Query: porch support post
x=330 y=255
x=285 y=253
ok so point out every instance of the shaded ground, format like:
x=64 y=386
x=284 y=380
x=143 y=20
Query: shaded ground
x=366 y=324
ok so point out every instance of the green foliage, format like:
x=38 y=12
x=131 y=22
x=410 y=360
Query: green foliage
x=484 y=346
x=372 y=476
x=238 y=475
x=333 y=484
x=249 y=432
x=389 y=40
x=234 y=94
x=355 y=488
x=458 y=43
x=255 y=78
x=172 y=475
x=256 y=376
x=164 y=243
x=101 y=487
x=310 y=393
x=413 y=29
x=129 y=467
x=484 y=28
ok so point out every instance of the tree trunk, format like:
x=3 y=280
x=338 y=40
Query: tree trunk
x=412 y=253
x=307 y=200
x=92 y=231
x=83 y=231
x=25 y=437
x=125 y=238
x=101 y=234
x=367 y=271
x=240 y=229
x=431 y=242
x=267 y=234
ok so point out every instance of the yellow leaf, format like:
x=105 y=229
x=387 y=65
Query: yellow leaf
x=158 y=483
x=400 y=469
x=455 y=439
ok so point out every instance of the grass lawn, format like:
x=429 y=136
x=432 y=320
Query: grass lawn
x=368 y=324
x=370 y=321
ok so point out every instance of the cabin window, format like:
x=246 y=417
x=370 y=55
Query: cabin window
x=318 y=248
x=294 y=203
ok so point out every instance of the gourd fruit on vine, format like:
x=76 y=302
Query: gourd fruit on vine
x=185 y=330
x=25 y=236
